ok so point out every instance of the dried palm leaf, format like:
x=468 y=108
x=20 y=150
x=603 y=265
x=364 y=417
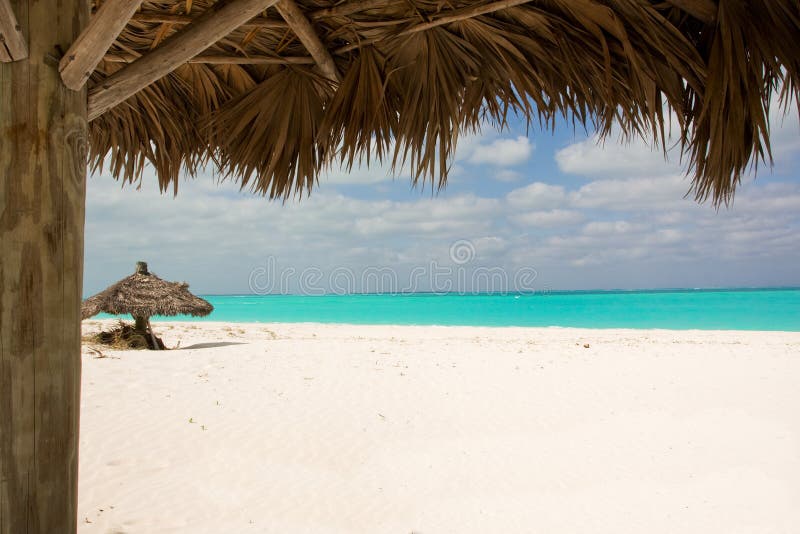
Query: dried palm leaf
x=271 y=133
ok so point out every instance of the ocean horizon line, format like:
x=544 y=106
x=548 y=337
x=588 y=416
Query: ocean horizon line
x=541 y=292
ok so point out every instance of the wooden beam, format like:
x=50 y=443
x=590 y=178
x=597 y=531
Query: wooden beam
x=340 y=10
x=705 y=10
x=215 y=23
x=43 y=142
x=12 y=43
x=350 y=8
x=225 y=60
x=452 y=16
x=91 y=45
x=170 y=18
x=300 y=25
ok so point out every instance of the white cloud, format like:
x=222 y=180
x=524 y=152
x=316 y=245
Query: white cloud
x=475 y=148
x=430 y=217
x=617 y=157
x=601 y=228
x=596 y=158
x=537 y=196
x=549 y=218
x=503 y=152
x=360 y=174
x=632 y=194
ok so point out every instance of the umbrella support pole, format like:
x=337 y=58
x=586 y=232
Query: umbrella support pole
x=156 y=346
x=141 y=324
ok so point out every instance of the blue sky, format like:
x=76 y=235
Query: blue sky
x=558 y=207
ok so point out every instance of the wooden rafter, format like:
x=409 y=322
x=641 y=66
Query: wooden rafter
x=174 y=18
x=341 y=10
x=225 y=60
x=88 y=49
x=12 y=43
x=300 y=25
x=349 y=8
x=344 y=9
x=452 y=16
x=215 y=23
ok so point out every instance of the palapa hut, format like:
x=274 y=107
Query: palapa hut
x=271 y=91
x=143 y=295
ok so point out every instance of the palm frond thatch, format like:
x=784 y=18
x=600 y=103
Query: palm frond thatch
x=416 y=74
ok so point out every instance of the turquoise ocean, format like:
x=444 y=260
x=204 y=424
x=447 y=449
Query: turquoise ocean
x=705 y=309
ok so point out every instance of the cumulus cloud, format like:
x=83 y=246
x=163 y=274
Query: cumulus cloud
x=604 y=228
x=548 y=218
x=633 y=193
x=537 y=196
x=360 y=174
x=484 y=147
x=619 y=157
x=596 y=158
x=503 y=152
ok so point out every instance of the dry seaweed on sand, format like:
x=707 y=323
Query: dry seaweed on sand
x=125 y=336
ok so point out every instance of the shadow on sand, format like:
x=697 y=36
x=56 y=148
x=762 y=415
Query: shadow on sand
x=211 y=345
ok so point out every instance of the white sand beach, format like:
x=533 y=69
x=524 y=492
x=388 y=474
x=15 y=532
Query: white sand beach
x=306 y=428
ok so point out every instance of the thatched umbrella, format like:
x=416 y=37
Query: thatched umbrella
x=143 y=295
x=273 y=91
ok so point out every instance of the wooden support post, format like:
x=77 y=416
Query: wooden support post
x=300 y=25
x=140 y=323
x=153 y=338
x=89 y=48
x=5 y=57
x=215 y=23
x=42 y=196
x=12 y=42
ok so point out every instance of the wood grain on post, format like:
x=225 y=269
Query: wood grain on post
x=42 y=196
x=12 y=41
x=5 y=57
x=89 y=48
x=215 y=23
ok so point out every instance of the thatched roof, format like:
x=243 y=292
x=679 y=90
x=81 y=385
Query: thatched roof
x=144 y=294
x=276 y=100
